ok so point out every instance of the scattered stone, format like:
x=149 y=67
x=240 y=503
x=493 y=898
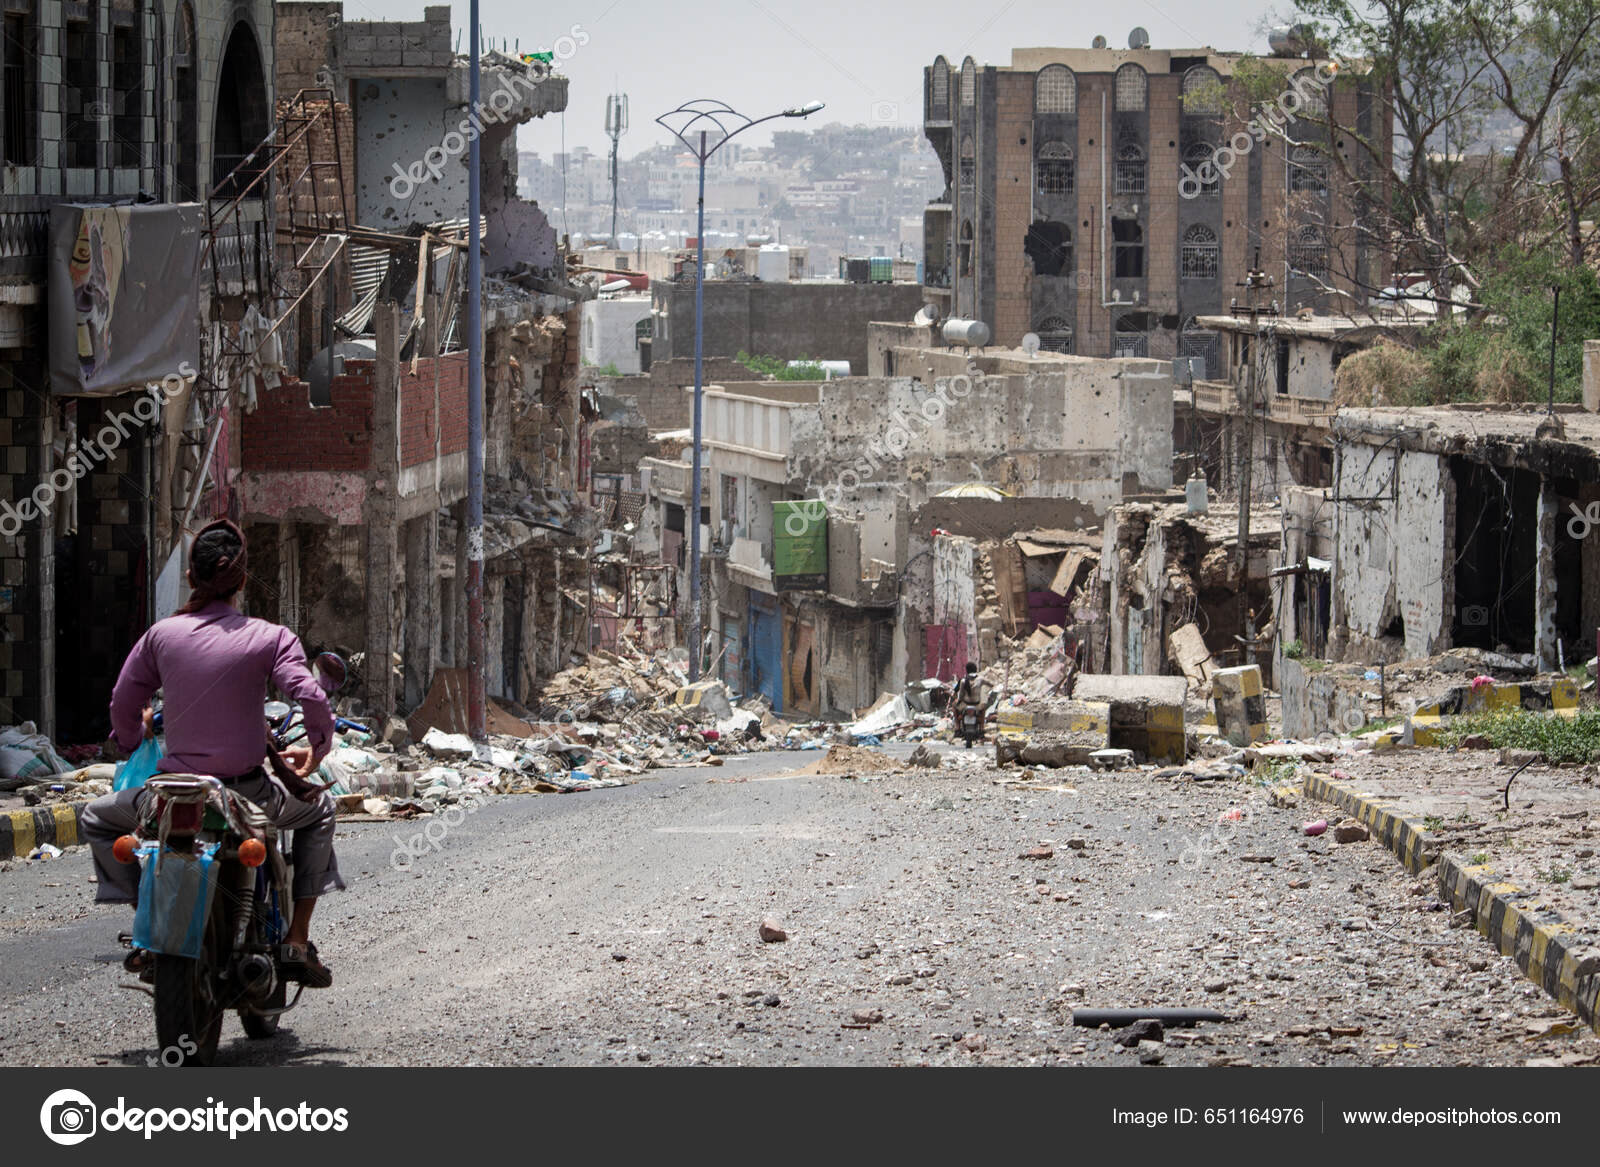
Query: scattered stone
x=771 y=931
x=1345 y=1030
x=1585 y=882
x=1151 y=1053
x=1040 y=852
x=1350 y=831
x=1216 y=986
x=1143 y=1030
x=1477 y=964
x=867 y=1016
x=901 y=979
x=771 y=1001
x=1258 y=858
x=1077 y=843
x=925 y=757
x=1299 y=884
x=1510 y=757
x=1475 y=741
x=974 y=1043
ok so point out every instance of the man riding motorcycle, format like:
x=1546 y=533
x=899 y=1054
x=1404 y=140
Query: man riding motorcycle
x=212 y=665
x=969 y=699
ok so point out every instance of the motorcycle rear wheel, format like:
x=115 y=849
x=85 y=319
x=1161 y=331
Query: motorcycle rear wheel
x=259 y=1027
x=188 y=1012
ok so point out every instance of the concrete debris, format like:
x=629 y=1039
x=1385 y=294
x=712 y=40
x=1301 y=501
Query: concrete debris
x=1350 y=831
x=771 y=931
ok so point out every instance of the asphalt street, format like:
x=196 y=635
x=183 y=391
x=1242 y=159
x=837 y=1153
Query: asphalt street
x=621 y=926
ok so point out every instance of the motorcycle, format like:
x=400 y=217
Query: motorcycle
x=215 y=899
x=969 y=722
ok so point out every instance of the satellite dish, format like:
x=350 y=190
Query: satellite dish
x=1099 y=42
x=926 y=315
x=1030 y=343
x=1138 y=39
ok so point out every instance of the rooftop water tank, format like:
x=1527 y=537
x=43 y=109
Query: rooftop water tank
x=772 y=263
x=967 y=333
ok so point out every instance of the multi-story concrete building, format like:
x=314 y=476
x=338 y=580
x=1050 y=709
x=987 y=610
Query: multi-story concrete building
x=1069 y=208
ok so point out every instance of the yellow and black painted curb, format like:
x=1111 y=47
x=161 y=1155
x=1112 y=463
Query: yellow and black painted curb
x=1409 y=839
x=1553 y=954
x=23 y=830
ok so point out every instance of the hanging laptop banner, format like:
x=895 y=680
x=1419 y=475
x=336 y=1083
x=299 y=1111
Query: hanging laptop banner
x=123 y=295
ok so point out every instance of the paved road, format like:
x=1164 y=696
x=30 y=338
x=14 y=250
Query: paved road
x=621 y=926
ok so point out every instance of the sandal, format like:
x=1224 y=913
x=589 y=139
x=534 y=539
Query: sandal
x=300 y=963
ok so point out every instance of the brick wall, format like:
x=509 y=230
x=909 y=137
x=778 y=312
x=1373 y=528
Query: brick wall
x=287 y=433
x=300 y=40
x=371 y=44
x=1013 y=194
x=420 y=421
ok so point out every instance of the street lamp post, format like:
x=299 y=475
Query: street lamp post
x=692 y=123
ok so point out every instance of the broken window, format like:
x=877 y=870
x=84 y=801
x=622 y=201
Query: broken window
x=21 y=84
x=1055 y=335
x=969 y=164
x=185 y=109
x=1202 y=92
x=242 y=117
x=1049 y=246
x=966 y=249
x=1054 y=170
x=1055 y=90
x=1311 y=91
x=1129 y=338
x=80 y=107
x=1195 y=341
x=1130 y=168
x=1199 y=167
x=1198 y=257
x=127 y=83
x=1128 y=249
x=1131 y=88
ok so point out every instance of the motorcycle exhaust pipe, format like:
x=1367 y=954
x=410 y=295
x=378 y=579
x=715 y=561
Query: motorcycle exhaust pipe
x=256 y=975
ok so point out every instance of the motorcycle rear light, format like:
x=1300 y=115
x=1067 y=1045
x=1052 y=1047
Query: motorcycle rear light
x=187 y=817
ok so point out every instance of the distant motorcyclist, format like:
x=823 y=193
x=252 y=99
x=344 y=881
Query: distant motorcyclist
x=968 y=702
x=213 y=664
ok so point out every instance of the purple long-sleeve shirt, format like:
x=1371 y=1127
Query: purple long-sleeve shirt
x=213 y=667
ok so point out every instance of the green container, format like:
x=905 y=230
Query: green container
x=800 y=545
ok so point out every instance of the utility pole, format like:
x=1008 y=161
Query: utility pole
x=616 y=126
x=1256 y=284
x=477 y=698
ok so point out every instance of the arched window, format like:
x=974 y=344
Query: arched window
x=1198 y=255
x=1199 y=176
x=1130 y=168
x=939 y=95
x=969 y=82
x=185 y=107
x=242 y=116
x=966 y=249
x=1132 y=85
x=1308 y=251
x=1054 y=171
x=20 y=97
x=969 y=164
x=1202 y=92
x=1312 y=94
x=1055 y=90
x=127 y=83
x=1129 y=338
x=643 y=329
x=1048 y=246
x=1127 y=243
x=1055 y=335
x=1307 y=170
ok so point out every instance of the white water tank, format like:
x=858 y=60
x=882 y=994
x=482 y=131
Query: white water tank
x=772 y=263
x=967 y=333
x=1194 y=493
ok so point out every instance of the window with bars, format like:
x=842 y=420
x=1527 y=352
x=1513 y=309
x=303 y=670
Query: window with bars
x=939 y=98
x=1195 y=341
x=1199 y=254
x=1131 y=89
x=81 y=112
x=1055 y=335
x=1130 y=170
x=643 y=330
x=969 y=82
x=969 y=164
x=1307 y=170
x=1055 y=90
x=1129 y=338
x=127 y=83
x=1200 y=170
x=1308 y=253
x=1054 y=172
x=1202 y=92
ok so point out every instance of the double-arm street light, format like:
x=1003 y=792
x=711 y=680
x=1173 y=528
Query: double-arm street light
x=703 y=126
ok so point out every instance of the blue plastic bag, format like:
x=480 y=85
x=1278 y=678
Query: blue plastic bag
x=138 y=766
x=175 y=896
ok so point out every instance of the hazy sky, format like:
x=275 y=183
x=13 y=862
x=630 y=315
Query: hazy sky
x=864 y=58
